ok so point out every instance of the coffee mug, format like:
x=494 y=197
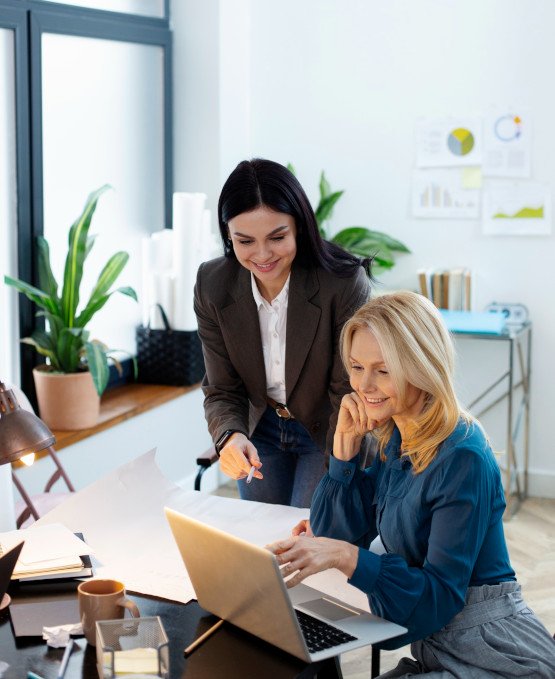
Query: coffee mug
x=102 y=600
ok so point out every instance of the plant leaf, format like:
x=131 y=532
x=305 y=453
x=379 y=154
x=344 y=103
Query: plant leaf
x=325 y=188
x=356 y=233
x=68 y=348
x=46 y=278
x=326 y=205
x=73 y=272
x=89 y=246
x=40 y=298
x=108 y=275
x=91 y=308
x=291 y=169
x=98 y=365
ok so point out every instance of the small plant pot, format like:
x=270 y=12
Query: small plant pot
x=67 y=401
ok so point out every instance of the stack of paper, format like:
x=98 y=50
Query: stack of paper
x=51 y=551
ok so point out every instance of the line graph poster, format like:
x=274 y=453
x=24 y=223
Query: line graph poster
x=517 y=209
x=448 y=142
x=441 y=194
x=507 y=143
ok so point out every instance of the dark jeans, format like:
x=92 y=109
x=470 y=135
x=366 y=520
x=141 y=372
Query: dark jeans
x=292 y=464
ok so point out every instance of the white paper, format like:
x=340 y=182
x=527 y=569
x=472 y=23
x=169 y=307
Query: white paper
x=162 y=245
x=517 y=209
x=188 y=209
x=52 y=543
x=507 y=143
x=448 y=142
x=161 y=291
x=442 y=194
x=122 y=517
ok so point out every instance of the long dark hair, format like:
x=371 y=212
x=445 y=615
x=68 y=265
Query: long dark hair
x=258 y=182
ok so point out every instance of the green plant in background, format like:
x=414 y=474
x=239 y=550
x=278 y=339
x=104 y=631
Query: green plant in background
x=359 y=240
x=66 y=342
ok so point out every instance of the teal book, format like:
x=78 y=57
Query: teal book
x=474 y=322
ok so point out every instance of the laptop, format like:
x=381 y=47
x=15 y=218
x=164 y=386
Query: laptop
x=242 y=583
x=7 y=565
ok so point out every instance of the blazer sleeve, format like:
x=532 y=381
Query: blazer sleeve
x=356 y=292
x=226 y=403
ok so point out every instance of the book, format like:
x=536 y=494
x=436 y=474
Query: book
x=446 y=288
x=50 y=552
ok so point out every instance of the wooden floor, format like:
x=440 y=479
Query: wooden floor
x=530 y=537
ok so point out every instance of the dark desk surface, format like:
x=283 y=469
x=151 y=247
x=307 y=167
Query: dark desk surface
x=229 y=653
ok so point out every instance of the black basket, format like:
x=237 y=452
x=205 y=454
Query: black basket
x=172 y=357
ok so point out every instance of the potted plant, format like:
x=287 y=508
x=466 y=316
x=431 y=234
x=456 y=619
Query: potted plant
x=69 y=386
x=359 y=240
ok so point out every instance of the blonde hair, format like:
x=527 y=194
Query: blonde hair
x=417 y=350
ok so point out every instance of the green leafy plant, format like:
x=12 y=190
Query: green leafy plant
x=66 y=342
x=359 y=240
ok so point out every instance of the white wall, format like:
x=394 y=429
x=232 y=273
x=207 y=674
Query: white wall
x=337 y=85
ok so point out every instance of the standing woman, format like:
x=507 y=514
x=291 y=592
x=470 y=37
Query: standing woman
x=270 y=312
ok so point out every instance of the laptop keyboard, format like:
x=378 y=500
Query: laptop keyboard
x=319 y=635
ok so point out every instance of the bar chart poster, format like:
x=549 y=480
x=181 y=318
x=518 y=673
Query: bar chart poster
x=441 y=194
x=516 y=209
x=448 y=142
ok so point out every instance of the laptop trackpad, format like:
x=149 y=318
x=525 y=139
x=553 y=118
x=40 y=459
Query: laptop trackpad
x=326 y=608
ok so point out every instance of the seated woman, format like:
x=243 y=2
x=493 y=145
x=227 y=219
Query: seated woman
x=433 y=494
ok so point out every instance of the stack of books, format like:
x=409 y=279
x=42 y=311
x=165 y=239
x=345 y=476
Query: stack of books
x=447 y=288
x=50 y=552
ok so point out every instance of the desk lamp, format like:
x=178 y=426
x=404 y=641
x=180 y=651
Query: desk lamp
x=22 y=434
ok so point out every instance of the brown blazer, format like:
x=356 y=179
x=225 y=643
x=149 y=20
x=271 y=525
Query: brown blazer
x=235 y=382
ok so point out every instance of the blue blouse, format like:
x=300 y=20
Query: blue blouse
x=442 y=529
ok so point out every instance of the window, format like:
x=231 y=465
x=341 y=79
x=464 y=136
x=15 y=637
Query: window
x=100 y=93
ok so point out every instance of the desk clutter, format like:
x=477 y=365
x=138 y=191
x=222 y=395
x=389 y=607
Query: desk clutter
x=129 y=541
x=49 y=552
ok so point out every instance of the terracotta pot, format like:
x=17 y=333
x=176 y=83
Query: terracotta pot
x=66 y=401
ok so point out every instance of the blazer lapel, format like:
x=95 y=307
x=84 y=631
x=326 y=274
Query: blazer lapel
x=303 y=317
x=241 y=319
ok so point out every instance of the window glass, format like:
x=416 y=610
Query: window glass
x=103 y=107
x=9 y=345
x=151 y=8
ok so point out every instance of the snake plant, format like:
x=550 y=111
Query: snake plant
x=359 y=240
x=66 y=342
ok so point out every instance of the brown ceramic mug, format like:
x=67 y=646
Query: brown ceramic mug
x=102 y=600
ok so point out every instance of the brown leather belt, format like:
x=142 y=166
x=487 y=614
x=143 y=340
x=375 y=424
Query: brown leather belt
x=281 y=409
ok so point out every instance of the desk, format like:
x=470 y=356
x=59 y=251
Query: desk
x=514 y=383
x=230 y=653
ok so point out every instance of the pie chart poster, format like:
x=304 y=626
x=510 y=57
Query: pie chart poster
x=449 y=142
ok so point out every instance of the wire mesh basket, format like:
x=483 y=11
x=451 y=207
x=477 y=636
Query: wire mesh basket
x=132 y=646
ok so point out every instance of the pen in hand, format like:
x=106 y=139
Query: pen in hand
x=251 y=474
x=191 y=647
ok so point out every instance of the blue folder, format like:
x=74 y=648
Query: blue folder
x=474 y=322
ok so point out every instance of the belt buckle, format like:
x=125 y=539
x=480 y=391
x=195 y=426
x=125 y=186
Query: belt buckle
x=283 y=411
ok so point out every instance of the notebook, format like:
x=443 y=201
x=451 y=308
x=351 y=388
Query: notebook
x=242 y=583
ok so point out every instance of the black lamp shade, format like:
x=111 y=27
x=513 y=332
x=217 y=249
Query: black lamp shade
x=21 y=432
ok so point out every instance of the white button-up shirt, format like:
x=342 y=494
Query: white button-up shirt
x=273 y=326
